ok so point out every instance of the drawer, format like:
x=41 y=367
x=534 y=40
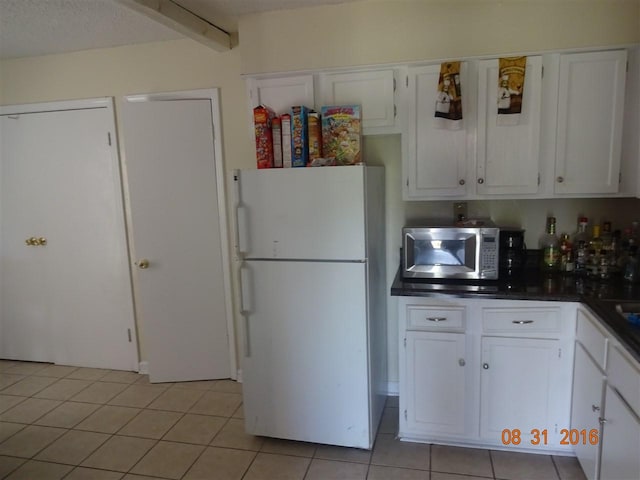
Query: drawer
x=435 y=318
x=624 y=375
x=525 y=321
x=592 y=337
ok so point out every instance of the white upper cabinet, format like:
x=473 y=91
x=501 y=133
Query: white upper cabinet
x=374 y=90
x=508 y=156
x=434 y=159
x=590 y=112
x=281 y=93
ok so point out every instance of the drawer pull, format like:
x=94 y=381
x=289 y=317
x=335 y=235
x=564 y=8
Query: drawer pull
x=437 y=319
x=485 y=366
x=461 y=362
x=522 y=322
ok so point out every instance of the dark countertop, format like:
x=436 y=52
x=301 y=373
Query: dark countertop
x=599 y=296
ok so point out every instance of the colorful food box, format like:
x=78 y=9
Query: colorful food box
x=276 y=133
x=286 y=140
x=262 y=117
x=342 y=134
x=315 y=136
x=299 y=136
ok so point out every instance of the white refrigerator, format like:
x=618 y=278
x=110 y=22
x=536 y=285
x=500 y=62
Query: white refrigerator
x=313 y=299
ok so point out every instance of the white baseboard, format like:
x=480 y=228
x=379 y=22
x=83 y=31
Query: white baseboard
x=393 y=389
x=143 y=368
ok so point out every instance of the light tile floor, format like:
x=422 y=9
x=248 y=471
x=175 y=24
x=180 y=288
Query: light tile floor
x=59 y=422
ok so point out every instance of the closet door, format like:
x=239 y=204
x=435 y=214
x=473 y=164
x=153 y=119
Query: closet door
x=68 y=298
x=24 y=309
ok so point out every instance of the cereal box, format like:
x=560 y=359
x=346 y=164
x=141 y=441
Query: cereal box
x=341 y=134
x=315 y=136
x=299 y=137
x=262 y=117
x=276 y=133
x=286 y=140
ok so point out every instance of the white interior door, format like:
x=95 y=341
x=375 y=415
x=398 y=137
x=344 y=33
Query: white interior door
x=68 y=301
x=26 y=326
x=182 y=295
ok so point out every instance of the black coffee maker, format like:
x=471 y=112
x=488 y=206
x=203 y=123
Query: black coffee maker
x=513 y=252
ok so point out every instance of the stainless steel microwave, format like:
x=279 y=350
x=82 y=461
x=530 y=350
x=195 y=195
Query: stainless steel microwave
x=465 y=251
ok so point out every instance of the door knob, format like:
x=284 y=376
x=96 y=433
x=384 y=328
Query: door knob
x=143 y=264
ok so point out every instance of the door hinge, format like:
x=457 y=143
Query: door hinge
x=538 y=178
x=395 y=111
x=406 y=82
x=620 y=177
x=129 y=334
x=405 y=413
x=405 y=343
x=559 y=353
x=407 y=181
x=394 y=84
x=627 y=65
x=542 y=72
x=109 y=138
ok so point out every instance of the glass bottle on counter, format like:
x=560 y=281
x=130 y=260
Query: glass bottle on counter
x=595 y=247
x=550 y=247
x=630 y=268
x=580 y=247
x=566 y=254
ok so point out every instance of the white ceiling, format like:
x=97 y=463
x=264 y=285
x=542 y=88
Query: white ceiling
x=41 y=27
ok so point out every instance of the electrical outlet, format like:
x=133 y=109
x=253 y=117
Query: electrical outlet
x=459 y=211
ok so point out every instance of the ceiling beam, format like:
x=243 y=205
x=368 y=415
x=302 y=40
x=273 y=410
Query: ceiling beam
x=183 y=21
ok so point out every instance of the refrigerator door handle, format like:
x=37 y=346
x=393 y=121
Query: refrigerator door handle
x=241 y=214
x=245 y=306
x=241 y=227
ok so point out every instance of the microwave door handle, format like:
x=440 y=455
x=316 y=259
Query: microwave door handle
x=409 y=258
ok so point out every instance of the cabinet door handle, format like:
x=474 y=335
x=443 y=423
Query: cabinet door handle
x=437 y=319
x=522 y=322
x=461 y=362
x=461 y=181
x=560 y=179
x=481 y=180
x=602 y=420
x=595 y=408
x=485 y=366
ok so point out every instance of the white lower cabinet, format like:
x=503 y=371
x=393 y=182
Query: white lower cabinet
x=516 y=394
x=614 y=411
x=587 y=403
x=620 y=440
x=437 y=372
x=471 y=370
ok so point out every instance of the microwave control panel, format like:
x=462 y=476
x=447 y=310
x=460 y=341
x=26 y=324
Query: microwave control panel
x=489 y=254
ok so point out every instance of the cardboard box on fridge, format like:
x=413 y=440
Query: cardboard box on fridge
x=286 y=140
x=276 y=133
x=262 y=118
x=315 y=136
x=342 y=134
x=299 y=136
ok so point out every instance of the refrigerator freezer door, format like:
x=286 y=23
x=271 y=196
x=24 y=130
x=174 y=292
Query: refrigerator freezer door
x=305 y=368
x=302 y=213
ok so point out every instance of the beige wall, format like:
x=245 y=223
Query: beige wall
x=375 y=31
x=359 y=33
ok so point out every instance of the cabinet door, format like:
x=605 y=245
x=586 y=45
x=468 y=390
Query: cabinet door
x=508 y=156
x=373 y=90
x=590 y=112
x=520 y=388
x=281 y=93
x=436 y=160
x=588 y=389
x=436 y=382
x=620 y=440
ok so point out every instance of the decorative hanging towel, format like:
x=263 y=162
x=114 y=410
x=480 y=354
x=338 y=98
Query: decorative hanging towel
x=449 y=100
x=510 y=89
